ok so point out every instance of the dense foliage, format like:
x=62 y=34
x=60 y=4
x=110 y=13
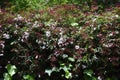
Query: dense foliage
x=63 y=42
x=17 y=5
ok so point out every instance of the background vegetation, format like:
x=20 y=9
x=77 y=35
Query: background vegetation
x=17 y=5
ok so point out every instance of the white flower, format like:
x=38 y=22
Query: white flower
x=48 y=33
x=91 y=25
x=22 y=40
x=1 y=54
x=63 y=49
x=99 y=78
x=2 y=44
x=95 y=57
x=25 y=35
x=77 y=47
x=43 y=47
x=116 y=16
x=84 y=66
x=38 y=41
x=35 y=24
x=111 y=34
x=36 y=57
x=61 y=31
x=61 y=40
x=117 y=32
x=94 y=19
x=15 y=32
x=108 y=45
x=80 y=28
x=71 y=42
x=94 y=28
x=39 y=75
x=44 y=43
x=6 y=36
x=16 y=25
x=19 y=17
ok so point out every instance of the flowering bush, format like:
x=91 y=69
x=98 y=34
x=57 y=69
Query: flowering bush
x=54 y=44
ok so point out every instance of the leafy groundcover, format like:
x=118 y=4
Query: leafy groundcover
x=60 y=43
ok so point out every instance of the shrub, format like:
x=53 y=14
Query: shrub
x=38 y=44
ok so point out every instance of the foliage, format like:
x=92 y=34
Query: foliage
x=11 y=71
x=20 y=5
x=61 y=43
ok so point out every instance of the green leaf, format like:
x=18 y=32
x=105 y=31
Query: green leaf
x=11 y=69
x=68 y=75
x=28 y=77
x=74 y=24
x=71 y=59
x=64 y=56
x=85 y=58
x=88 y=72
x=12 y=43
x=7 y=76
x=93 y=78
x=65 y=68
